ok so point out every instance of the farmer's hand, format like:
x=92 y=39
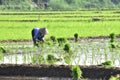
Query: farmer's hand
x=42 y=39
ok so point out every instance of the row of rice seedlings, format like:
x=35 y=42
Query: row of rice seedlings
x=15 y=50
x=39 y=57
x=24 y=52
x=100 y=52
x=64 y=17
x=64 y=13
x=83 y=52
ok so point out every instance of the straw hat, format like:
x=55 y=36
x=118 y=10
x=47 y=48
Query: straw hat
x=44 y=31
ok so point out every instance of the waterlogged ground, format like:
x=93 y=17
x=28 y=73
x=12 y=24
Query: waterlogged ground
x=32 y=78
x=86 y=52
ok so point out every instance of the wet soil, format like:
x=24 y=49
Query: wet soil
x=30 y=70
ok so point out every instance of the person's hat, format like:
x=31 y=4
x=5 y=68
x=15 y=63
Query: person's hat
x=44 y=31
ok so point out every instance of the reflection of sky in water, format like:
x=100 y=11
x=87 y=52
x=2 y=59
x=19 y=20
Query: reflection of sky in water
x=92 y=52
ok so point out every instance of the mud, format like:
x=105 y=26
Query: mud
x=29 y=70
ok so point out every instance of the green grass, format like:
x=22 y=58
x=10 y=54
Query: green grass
x=58 y=24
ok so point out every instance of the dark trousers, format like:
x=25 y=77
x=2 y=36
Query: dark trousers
x=34 y=40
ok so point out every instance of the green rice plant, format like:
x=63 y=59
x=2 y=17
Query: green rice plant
x=113 y=57
x=16 y=53
x=51 y=59
x=76 y=37
x=77 y=55
x=41 y=59
x=53 y=39
x=107 y=63
x=48 y=43
x=114 y=78
x=93 y=52
x=40 y=44
x=16 y=58
x=29 y=56
x=113 y=45
x=112 y=37
x=1 y=55
x=97 y=53
x=67 y=48
x=61 y=41
x=63 y=24
x=38 y=59
x=76 y=73
x=67 y=59
x=112 y=40
x=33 y=50
x=68 y=53
x=105 y=52
x=119 y=57
x=24 y=58
x=34 y=59
x=2 y=50
x=24 y=53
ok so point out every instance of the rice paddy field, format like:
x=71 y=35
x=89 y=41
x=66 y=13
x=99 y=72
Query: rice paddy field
x=94 y=45
x=18 y=25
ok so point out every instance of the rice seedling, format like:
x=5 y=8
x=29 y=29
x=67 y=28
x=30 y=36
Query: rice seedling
x=38 y=59
x=112 y=37
x=51 y=59
x=61 y=41
x=86 y=53
x=76 y=37
x=112 y=40
x=93 y=53
x=67 y=48
x=107 y=63
x=105 y=51
x=76 y=73
x=68 y=56
x=2 y=50
x=53 y=39
x=1 y=55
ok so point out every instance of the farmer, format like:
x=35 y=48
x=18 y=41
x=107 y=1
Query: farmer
x=38 y=35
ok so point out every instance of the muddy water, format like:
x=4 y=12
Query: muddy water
x=32 y=78
x=37 y=78
x=87 y=52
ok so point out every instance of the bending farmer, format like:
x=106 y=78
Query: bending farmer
x=38 y=35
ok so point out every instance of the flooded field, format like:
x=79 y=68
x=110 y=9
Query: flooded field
x=32 y=78
x=86 y=52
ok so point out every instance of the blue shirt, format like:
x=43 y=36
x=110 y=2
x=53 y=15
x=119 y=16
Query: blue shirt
x=38 y=34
